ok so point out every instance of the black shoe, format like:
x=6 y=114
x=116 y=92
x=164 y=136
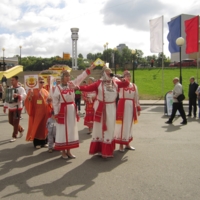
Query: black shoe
x=168 y=122
x=189 y=115
x=184 y=122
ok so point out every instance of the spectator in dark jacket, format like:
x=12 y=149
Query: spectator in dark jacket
x=192 y=97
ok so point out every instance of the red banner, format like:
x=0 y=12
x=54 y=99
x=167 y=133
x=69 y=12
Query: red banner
x=192 y=35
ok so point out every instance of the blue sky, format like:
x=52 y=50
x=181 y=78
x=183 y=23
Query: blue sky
x=42 y=27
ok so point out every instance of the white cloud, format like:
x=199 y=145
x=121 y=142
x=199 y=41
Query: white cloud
x=40 y=49
x=42 y=27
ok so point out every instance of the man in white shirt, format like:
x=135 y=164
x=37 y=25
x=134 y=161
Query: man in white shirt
x=15 y=108
x=176 y=104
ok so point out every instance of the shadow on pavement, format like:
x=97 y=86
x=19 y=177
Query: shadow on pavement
x=83 y=135
x=70 y=184
x=2 y=142
x=23 y=157
x=172 y=128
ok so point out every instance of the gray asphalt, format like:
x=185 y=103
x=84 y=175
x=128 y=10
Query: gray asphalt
x=165 y=164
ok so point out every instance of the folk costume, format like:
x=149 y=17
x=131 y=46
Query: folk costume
x=128 y=106
x=104 y=114
x=89 y=98
x=39 y=110
x=14 y=111
x=66 y=114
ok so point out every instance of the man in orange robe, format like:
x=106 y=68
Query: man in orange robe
x=38 y=106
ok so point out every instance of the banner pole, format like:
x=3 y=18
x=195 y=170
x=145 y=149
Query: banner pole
x=162 y=57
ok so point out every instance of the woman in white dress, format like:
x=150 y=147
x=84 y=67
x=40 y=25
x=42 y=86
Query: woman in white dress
x=104 y=113
x=127 y=111
x=66 y=113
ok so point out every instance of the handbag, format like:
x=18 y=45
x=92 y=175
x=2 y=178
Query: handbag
x=181 y=97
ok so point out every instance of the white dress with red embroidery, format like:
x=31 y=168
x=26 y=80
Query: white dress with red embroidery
x=65 y=108
x=104 y=117
x=128 y=106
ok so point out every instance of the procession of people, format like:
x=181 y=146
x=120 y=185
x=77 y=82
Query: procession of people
x=53 y=112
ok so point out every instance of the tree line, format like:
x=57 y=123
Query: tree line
x=115 y=58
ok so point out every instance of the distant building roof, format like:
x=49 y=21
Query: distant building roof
x=120 y=47
x=14 y=59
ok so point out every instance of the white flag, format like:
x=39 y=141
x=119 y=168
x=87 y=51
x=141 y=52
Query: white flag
x=156 y=35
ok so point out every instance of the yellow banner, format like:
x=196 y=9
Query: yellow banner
x=66 y=56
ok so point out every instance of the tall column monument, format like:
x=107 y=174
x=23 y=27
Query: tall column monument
x=74 y=47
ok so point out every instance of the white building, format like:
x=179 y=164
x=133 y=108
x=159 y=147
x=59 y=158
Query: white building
x=10 y=62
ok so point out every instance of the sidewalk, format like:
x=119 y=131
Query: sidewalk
x=142 y=102
x=157 y=102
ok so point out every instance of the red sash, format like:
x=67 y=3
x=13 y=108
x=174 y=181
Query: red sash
x=120 y=111
x=63 y=109
x=101 y=111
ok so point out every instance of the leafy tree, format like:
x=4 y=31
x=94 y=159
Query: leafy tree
x=90 y=56
x=80 y=55
x=159 y=59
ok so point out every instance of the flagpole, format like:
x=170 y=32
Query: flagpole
x=162 y=57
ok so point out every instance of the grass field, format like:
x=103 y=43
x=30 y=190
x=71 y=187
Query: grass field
x=154 y=84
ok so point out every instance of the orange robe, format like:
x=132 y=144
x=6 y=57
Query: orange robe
x=47 y=87
x=39 y=111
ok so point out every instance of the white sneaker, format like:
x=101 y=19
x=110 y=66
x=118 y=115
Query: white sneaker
x=21 y=133
x=13 y=140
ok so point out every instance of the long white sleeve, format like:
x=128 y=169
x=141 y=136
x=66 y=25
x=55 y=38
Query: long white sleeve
x=56 y=101
x=77 y=81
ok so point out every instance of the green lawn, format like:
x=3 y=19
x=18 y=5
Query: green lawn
x=151 y=85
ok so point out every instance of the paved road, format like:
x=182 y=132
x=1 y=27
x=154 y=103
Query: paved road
x=165 y=165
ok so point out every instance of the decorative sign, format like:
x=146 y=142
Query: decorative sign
x=99 y=62
x=66 y=56
x=169 y=103
x=31 y=81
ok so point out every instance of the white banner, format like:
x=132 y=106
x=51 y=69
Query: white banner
x=169 y=103
x=156 y=35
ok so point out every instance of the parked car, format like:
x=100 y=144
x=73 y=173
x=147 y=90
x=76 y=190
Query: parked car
x=187 y=62
x=172 y=64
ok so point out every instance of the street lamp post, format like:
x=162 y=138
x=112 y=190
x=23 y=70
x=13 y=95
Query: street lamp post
x=4 y=66
x=106 y=48
x=115 y=49
x=133 y=53
x=20 y=50
x=180 y=42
